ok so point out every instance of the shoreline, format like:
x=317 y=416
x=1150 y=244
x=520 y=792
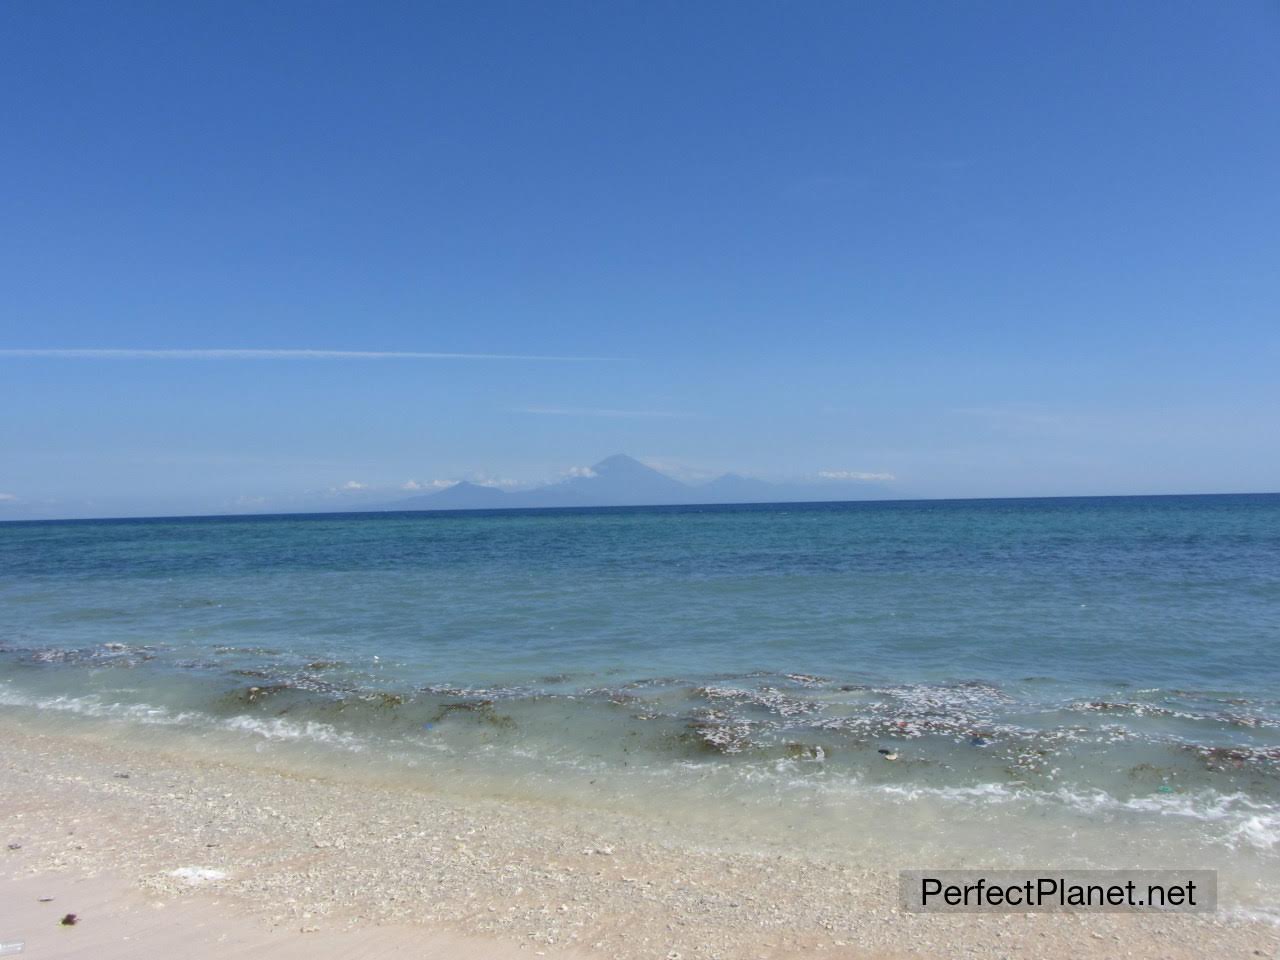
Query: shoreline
x=268 y=853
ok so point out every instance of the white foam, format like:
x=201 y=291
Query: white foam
x=92 y=706
x=1262 y=832
x=981 y=793
x=272 y=729
x=1248 y=822
x=280 y=729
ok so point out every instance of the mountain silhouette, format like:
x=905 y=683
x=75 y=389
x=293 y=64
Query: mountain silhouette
x=735 y=488
x=464 y=495
x=623 y=481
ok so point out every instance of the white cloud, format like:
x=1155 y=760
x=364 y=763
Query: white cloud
x=503 y=483
x=579 y=472
x=411 y=485
x=853 y=475
x=8 y=497
x=354 y=485
x=678 y=469
x=596 y=412
x=95 y=353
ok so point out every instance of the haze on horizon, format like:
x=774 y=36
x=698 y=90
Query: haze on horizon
x=300 y=257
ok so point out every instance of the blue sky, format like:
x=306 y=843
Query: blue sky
x=993 y=249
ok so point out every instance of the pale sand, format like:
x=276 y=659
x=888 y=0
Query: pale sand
x=324 y=867
x=121 y=922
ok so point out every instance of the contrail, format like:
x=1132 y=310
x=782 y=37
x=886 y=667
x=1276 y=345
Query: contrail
x=243 y=354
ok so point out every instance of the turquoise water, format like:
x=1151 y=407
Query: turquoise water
x=1061 y=678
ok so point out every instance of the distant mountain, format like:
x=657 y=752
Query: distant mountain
x=624 y=481
x=464 y=495
x=734 y=488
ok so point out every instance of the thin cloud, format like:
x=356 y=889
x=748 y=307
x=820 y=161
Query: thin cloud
x=480 y=480
x=94 y=353
x=354 y=485
x=853 y=475
x=430 y=485
x=678 y=469
x=597 y=412
x=8 y=497
x=503 y=483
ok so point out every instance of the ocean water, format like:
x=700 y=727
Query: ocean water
x=1063 y=682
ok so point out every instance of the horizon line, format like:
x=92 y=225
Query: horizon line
x=249 y=515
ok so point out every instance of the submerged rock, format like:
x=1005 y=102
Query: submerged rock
x=806 y=751
x=719 y=732
x=482 y=710
x=255 y=694
x=769 y=699
x=388 y=700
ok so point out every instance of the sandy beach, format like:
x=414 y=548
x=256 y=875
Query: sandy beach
x=157 y=850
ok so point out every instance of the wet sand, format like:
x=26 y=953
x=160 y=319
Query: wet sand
x=165 y=853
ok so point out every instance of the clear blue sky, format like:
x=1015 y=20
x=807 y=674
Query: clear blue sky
x=989 y=248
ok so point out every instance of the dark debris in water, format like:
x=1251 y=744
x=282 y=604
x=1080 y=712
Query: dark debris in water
x=807 y=680
x=768 y=699
x=1223 y=759
x=807 y=751
x=482 y=710
x=103 y=655
x=257 y=694
x=719 y=732
x=1180 y=711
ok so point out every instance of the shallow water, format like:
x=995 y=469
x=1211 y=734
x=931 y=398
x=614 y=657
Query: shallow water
x=1060 y=682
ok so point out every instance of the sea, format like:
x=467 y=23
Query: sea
x=1032 y=683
